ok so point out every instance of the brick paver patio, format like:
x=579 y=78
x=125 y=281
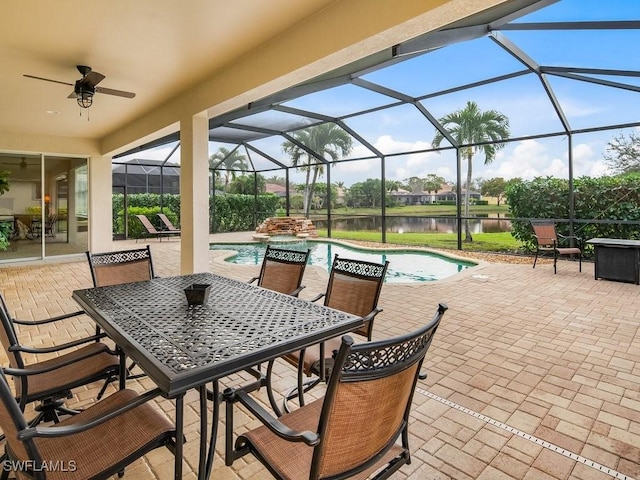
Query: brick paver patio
x=531 y=375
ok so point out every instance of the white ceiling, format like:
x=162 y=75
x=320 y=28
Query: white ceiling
x=155 y=48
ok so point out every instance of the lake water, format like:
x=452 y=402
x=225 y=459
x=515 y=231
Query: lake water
x=405 y=266
x=491 y=224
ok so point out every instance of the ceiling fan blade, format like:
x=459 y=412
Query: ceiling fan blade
x=47 y=79
x=92 y=79
x=117 y=93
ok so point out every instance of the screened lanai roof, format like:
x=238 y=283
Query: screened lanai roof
x=554 y=68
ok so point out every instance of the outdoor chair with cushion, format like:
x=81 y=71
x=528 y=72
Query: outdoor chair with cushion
x=354 y=287
x=97 y=443
x=168 y=227
x=149 y=229
x=50 y=381
x=359 y=427
x=123 y=266
x=282 y=270
x=548 y=240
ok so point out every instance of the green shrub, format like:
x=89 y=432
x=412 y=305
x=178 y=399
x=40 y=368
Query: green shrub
x=595 y=199
x=237 y=213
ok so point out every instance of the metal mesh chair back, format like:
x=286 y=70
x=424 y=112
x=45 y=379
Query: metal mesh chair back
x=354 y=287
x=114 y=268
x=282 y=270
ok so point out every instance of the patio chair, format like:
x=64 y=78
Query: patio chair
x=168 y=227
x=97 y=443
x=149 y=228
x=547 y=240
x=123 y=266
x=282 y=270
x=50 y=381
x=354 y=287
x=50 y=225
x=359 y=427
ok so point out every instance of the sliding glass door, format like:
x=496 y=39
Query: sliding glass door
x=43 y=206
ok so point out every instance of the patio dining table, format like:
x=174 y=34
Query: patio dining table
x=181 y=346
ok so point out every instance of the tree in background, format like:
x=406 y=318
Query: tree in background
x=623 y=153
x=245 y=185
x=328 y=141
x=231 y=161
x=277 y=180
x=493 y=187
x=433 y=183
x=415 y=184
x=471 y=126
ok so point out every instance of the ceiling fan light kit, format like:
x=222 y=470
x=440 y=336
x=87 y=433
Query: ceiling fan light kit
x=85 y=88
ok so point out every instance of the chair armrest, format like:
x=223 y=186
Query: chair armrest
x=315 y=299
x=371 y=315
x=297 y=291
x=56 y=348
x=22 y=372
x=54 y=431
x=271 y=422
x=569 y=237
x=48 y=320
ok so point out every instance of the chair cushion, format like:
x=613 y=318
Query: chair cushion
x=73 y=375
x=293 y=460
x=95 y=450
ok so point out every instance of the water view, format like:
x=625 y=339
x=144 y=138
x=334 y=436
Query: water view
x=491 y=224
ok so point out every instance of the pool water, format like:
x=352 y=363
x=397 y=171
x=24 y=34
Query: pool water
x=405 y=266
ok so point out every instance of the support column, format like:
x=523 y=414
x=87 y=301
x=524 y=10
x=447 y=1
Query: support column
x=194 y=194
x=100 y=188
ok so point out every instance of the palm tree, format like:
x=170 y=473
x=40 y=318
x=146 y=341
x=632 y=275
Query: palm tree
x=230 y=161
x=471 y=126
x=326 y=140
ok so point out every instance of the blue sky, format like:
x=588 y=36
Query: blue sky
x=523 y=100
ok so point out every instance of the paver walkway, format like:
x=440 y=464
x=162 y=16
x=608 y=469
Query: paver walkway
x=531 y=375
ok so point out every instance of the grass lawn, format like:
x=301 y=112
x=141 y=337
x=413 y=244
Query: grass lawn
x=482 y=242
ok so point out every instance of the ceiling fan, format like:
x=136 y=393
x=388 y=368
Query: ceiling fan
x=85 y=88
x=22 y=164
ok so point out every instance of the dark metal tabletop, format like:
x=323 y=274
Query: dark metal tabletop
x=181 y=346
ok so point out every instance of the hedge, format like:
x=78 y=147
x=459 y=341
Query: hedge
x=228 y=213
x=595 y=199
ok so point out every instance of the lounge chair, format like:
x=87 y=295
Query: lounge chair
x=149 y=228
x=168 y=226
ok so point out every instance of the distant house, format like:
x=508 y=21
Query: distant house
x=406 y=197
x=277 y=189
x=146 y=176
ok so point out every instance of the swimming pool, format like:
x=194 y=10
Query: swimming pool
x=405 y=266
